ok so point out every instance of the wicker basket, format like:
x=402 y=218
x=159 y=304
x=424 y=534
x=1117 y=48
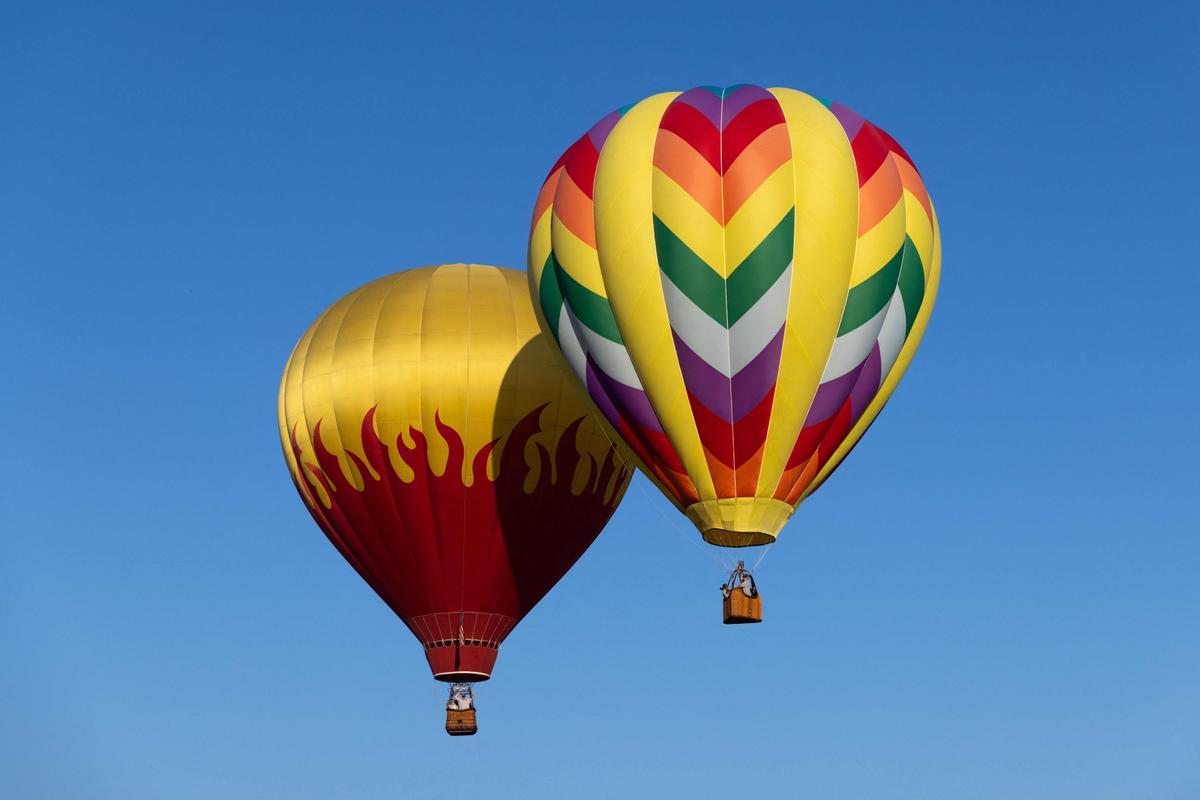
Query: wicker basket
x=461 y=723
x=740 y=608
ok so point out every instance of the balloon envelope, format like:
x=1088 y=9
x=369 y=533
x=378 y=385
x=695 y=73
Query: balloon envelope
x=739 y=277
x=434 y=438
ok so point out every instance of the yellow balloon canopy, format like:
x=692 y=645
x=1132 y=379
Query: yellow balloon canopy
x=435 y=439
x=739 y=277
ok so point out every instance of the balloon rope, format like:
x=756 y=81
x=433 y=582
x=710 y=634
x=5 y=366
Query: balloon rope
x=761 y=556
x=674 y=524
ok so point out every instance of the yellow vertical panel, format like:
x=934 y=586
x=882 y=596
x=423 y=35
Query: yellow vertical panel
x=629 y=266
x=826 y=230
x=493 y=344
x=444 y=370
x=397 y=349
x=352 y=370
x=902 y=361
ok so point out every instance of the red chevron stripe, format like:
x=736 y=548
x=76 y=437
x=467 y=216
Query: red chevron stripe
x=806 y=443
x=894 y=146
x=718 y=435
x=870 y=151
x=746 y=127
x=581 y=162
x=694 y=128
x=673 y=478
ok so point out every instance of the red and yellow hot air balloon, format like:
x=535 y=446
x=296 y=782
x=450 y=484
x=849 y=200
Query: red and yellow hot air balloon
x=739 y=277
x=434 y=438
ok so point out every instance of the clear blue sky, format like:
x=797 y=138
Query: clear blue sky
x=997 y=597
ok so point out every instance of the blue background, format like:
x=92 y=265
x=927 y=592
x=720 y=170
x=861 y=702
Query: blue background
x=997 y=596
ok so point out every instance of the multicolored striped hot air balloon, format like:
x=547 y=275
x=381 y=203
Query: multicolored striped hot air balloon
x=739 y=277
x=435 y=439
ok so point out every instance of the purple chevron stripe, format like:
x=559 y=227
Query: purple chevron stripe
x=831 y=395
x=600 y=131
x=757 y=378
x=601 y=397
x=850 y=120
x=867 y=385
x=713 y=389
x=703 y=101
x=738 y=99
x=706 y=384
x=632 y=401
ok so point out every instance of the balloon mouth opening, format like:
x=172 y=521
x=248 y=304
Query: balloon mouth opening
x=461 y=663
x=723 y=537
x=461 y=676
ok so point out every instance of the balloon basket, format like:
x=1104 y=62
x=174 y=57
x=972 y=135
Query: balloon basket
x=461 y=723
x=740 y=608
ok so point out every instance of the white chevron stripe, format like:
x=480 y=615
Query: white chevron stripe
x=610 y=357
x=851 y=348
x=892 y=335
x=755 y=330
x=707 y=337
x=568 y=342
x=728 y=351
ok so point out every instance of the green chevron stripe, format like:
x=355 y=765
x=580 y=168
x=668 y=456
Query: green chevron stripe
x=912 y=284
x=690 y=273
x=588 y=307
x=759 y=271
x=869 y=297
x=550 y=295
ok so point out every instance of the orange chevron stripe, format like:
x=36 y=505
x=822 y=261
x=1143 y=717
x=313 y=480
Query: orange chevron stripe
x=574 y=209
x=754 y=165
x=545 y=196
x=806 y=477
x=722 y=476
x=878 y=196
x=747 y=473
x=680 y=162
x=911 y=181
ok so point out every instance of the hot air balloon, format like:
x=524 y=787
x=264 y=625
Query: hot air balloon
x=434 y=438
x=738 y=277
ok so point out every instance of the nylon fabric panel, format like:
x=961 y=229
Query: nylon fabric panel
x=907 y=352
x=826 y=217
x=506 y=477
x=629 y=267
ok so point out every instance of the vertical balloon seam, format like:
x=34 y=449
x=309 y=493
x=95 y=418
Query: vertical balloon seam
x=389 y=471
x=355 y=544
x=672 y=439
x=466 y=436
x=703 y=464
x=575 y=320
x=345 y=539
x=856 y=368
x=499 y=449
x=773 y=416
x=778 y=480
x=896 y=304
x=725 y=286
x=385 y=541
x=663 y=233
x=359 y=497
x=427 y=430
x=842 y=341
x=908 y=352
x=831 y=434
x=778 y=494
x=902 y=361
x=795 y=105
